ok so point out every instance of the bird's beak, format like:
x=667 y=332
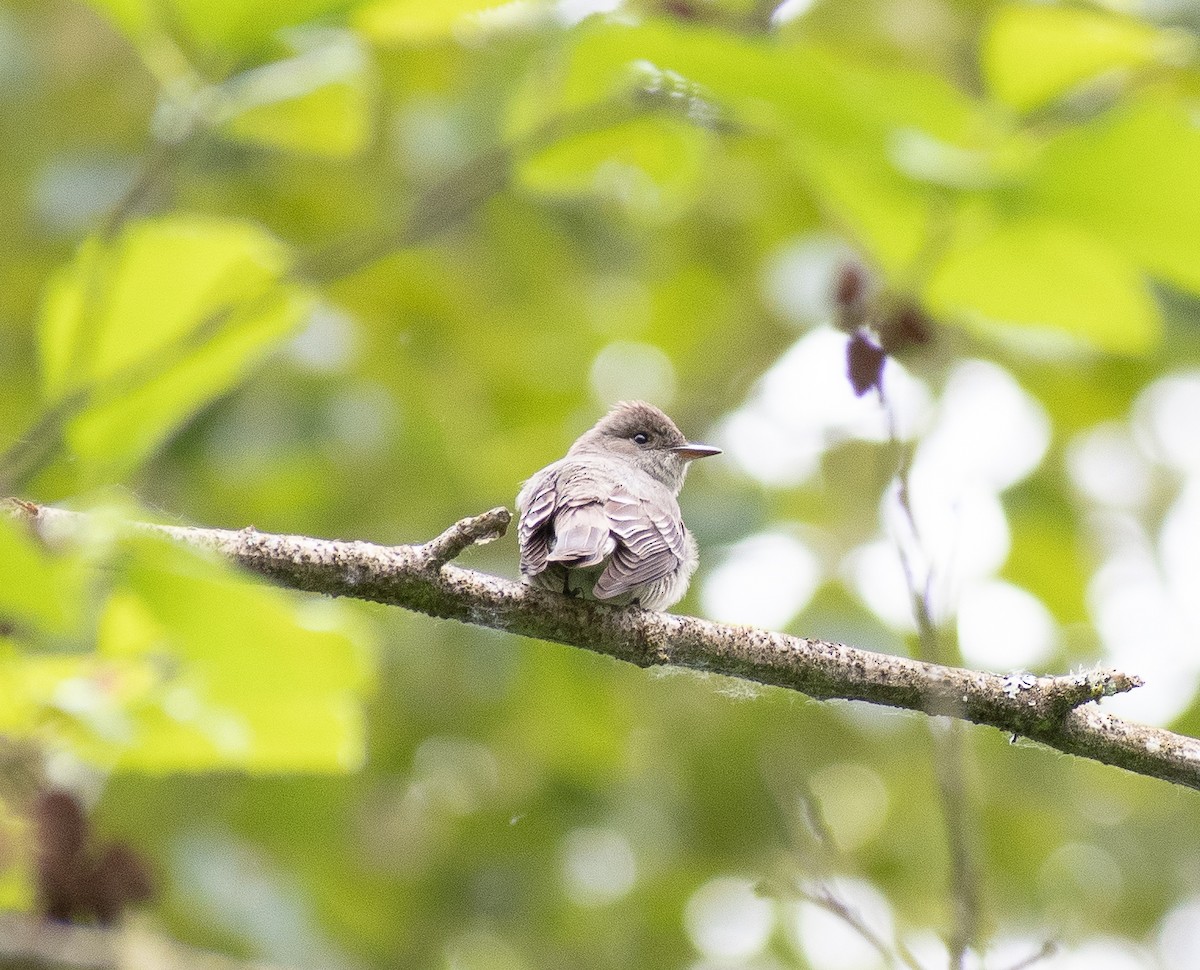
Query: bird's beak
x=691 y=450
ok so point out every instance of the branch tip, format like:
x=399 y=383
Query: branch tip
x=475 y=530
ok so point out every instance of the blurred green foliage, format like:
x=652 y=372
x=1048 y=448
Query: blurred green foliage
x=352 y=268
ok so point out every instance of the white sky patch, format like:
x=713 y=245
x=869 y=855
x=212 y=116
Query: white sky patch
x=629 y=371
x=766 y=451
x=765 y=580
x=1179 y=934
x=829 y=943
x=798 y=278
x=929 y=949
x=1167 y=417
x=790 y=10
x=1143 y=631
x=962 y=535
x=726 y=920
x=988 y=431
x=804 y=404
x=571 y=12
x=876 y=575
x=1179 y=549
x=1107 y=467
x=598 y=866
x=1104 y=953
x=1023 y=640
x=987 y=435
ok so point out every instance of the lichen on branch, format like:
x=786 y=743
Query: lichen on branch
x=1056 y=711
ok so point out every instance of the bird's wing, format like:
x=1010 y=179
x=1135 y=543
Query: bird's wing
x=535 y=509
x=563 y=518
x=652 y=543
x=583 y=536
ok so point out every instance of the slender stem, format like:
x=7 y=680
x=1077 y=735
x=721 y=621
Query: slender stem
x=949 y=745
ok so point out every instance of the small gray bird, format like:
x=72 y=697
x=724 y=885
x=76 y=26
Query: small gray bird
x=603 y=522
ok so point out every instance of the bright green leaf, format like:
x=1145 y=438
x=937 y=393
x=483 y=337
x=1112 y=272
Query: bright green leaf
x=155 y=324
x=38 y=587
x=421 y=22
x=1047 y=276
x=258 y=678
x=798 y=85
x=649 y=165
x=197 y=668
x=1034 y=54
x=886 y=215
x=317 y=102
x=1130 y=179
x=224 y=25
x=842 y=118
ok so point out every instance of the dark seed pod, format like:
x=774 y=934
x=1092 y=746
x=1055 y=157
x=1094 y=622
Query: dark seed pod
x=905 y=326
x=850 y=296
x=119 y=877
x=61 y=829
x=864 y=364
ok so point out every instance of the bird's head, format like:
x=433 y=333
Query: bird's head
x=642 y=435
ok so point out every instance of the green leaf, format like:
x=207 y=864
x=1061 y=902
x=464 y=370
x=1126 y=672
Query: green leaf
x=318 y=102
x=832 y=96
x=257 y=678
x=842 y=119
x=227 y=26
x=155 y=324
x=38 y=588
x=886 y=215
x=1129 y=178
x=1033 y=54
x=415 y=22
x=649 y=165
x=1047 y=276
x=1046 y=557
x=198 y=668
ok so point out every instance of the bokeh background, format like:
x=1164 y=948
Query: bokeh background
x=356 y=269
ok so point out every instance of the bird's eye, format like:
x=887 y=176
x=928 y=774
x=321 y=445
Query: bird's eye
x=640 y=438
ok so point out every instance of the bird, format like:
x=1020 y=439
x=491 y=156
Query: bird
x=604 y=521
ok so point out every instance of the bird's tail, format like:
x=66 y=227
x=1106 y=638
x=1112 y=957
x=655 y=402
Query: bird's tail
x=582 y=537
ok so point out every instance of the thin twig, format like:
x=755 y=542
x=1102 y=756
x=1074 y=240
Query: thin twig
x=831 y=903
x=818 y=828
x=1049 y=948
x=949 y=746
x=477 y=530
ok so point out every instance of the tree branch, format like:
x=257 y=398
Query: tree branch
x=1052 y=710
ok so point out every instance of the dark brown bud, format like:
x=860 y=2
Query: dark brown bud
x=680 y=9
x=906 y=326
x=61 y=826
x=851 y=285
x=850 y=296
x=61 y=829
x=864 y=363
x=119 y=877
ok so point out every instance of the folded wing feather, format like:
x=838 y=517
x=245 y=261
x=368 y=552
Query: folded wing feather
x=577 y=515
